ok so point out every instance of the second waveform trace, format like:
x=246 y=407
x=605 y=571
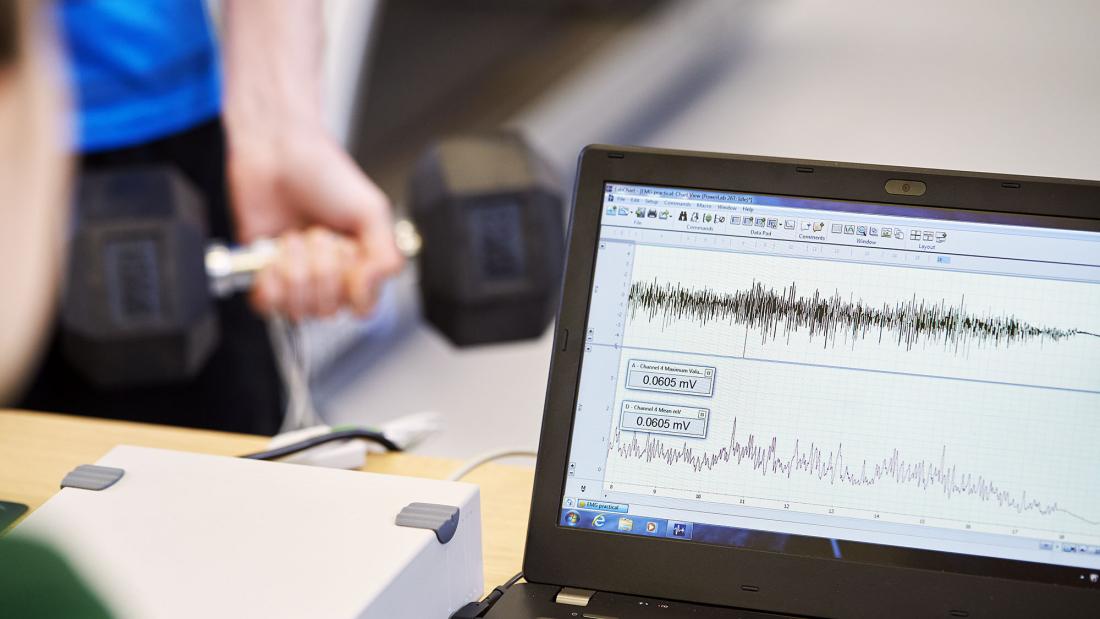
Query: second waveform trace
x=764 y=457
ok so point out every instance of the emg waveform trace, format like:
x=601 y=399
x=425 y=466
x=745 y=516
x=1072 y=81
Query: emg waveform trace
x=775 y=313
x=869 y=317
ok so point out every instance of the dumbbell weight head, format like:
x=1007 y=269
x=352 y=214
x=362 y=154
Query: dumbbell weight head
x=490 y=213
x=136 y=307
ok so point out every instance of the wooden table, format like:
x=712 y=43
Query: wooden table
x=37 y=449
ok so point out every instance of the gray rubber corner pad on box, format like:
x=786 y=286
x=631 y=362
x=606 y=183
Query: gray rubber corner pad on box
x=443 y=519
x=92 y=477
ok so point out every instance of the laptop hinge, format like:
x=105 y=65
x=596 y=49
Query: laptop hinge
x=574 y=597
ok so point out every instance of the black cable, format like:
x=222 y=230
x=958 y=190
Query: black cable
x=473 y=610
x=339 y=435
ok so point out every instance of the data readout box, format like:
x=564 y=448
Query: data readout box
x=664 y=419
x=670 y=377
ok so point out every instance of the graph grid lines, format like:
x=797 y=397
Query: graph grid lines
x=983 y=447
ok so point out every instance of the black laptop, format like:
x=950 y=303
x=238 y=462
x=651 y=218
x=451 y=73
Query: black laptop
x=819 y=389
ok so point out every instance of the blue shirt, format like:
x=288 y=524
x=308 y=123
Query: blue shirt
x=141 y=69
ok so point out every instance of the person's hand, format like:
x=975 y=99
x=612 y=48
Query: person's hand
x=333 y=225
x=287 y=174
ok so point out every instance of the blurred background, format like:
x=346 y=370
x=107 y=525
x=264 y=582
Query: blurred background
x=1011 y=87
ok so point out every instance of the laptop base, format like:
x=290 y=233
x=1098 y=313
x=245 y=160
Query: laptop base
x=534 y=601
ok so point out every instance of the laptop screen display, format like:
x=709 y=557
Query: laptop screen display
x=855 y=381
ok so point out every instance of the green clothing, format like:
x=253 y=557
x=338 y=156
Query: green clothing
x=36 y=581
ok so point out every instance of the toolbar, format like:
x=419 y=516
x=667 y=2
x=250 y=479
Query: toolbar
x=763 y=217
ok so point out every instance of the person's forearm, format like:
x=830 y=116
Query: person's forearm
x=272 y=54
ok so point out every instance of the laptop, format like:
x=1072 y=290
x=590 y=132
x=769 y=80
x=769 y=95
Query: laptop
x=819 y=389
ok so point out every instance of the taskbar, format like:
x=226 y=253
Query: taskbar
x=612 y=518
x=622 y=523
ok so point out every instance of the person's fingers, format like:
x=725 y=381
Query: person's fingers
x=378 y=259
x=293 y=267
x=354 y=294
x=379 y=245
x=327 y=270
x=362 y=284
x=309 y=275
x=267 y=291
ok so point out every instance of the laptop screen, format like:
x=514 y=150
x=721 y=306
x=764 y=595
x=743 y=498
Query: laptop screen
x=862 y=382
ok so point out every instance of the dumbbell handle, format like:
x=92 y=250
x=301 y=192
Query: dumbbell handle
x=233 y=269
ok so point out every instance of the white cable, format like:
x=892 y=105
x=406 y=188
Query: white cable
x=294 y=367
x=411 y=430
x=487 y=457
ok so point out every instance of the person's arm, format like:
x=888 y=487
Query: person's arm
x=288 y=176
x=34 y=183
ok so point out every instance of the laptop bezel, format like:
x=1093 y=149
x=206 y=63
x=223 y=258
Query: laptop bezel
x=729 y=576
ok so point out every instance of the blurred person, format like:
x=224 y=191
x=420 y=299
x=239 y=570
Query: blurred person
x=148 y=88
x=35 y=581
x=34 y=181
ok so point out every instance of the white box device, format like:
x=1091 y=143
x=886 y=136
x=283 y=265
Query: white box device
x=188 y=535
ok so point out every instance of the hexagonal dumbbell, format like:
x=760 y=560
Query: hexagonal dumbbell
x=138 y=307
